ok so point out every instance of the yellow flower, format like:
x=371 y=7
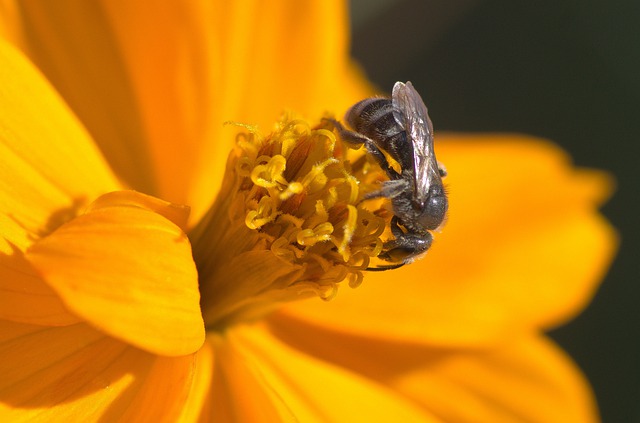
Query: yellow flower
x=102 y=317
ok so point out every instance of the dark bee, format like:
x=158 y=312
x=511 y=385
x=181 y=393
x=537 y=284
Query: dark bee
x=401 y=128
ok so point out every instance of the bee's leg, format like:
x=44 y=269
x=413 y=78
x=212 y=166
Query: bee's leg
x=348 y=136
x=386 y=267
x=356 y=139
x=442 y=170
x=396 y=230
x=390 y=189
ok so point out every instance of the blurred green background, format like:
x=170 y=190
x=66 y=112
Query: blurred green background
x=568 y=71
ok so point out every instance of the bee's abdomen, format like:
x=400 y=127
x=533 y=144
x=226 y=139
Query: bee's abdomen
x=373 y=117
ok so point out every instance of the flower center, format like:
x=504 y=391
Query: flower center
x=288 y=223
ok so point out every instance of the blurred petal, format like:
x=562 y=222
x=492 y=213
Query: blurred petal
x=302 y=50
x=161 y=80
x=83 y=375
x=526 y=379
x=262 y=379
x=523 y=248
x=274 y=56
x=129 y=272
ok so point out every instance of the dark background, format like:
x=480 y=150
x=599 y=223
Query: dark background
x=568 y=71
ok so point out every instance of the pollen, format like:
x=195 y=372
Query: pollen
x=289 y=222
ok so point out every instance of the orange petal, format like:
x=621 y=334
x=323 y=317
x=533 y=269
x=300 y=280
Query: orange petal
x=129 y=272
x=76 y=373
x=526 y=379
x=524 y=247
x=161 y=81
x=259 y=378
x=272 y=57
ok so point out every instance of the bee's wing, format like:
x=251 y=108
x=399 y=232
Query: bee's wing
x=411 y=112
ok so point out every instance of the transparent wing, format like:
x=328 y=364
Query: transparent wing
x=411 y=112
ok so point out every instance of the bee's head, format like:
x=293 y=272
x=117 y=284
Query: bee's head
x=435 y=208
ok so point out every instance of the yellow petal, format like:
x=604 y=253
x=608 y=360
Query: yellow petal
x=176 y=213
x=162 y=394
x=160 y=81
x=524 y=247
x=26 y=298
x=525 y=379
x=49 y=168
x=76 y=373
x=198 y=405
x=49 y=163
x=129 y=272
x=259 y=378
x=75 y=46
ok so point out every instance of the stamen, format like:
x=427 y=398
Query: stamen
x=287 y=224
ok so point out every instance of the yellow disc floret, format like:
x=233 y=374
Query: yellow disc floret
x=287 y=224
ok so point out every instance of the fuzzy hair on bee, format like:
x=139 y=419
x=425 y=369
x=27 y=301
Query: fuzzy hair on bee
x=400 y=128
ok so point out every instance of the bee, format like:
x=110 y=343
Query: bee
x=400 y=128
